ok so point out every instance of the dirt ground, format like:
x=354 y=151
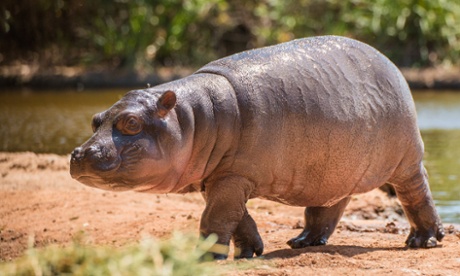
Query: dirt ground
x=39 y=199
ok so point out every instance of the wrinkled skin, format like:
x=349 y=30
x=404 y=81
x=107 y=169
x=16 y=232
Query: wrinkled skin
x=306 y=123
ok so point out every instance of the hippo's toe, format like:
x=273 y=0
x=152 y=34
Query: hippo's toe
x=425 y=239
x=305 y=240
x=247 y=239
x=248 y=250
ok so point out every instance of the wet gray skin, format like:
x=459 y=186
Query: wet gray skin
x=306 y=123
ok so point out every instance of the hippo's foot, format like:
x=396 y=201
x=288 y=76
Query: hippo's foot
x=414 y=193
x=247 y=239
x=320 y=222
x=218 y=256
x=306 y=239
x=425 y=239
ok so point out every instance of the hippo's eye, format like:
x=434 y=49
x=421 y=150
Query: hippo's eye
x=130 y=125
x=96 y=122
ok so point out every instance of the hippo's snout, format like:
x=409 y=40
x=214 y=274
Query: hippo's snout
x=93 y=160
x=77 y=163
x=77 y=154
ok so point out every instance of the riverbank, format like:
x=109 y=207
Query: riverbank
x=23 y=75
x=40 y=200
x=32 y=76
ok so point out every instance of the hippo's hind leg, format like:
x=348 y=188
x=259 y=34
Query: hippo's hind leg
x=413 y=191
x=320 y=223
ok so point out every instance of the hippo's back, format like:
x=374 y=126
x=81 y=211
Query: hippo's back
x=328 y=111
x=336 y=74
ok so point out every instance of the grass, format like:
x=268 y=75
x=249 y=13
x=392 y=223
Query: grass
x=180 y=255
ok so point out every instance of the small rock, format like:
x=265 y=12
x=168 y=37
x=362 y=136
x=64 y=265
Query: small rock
x=391 y=228
x=298 y=225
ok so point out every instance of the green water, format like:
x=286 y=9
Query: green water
x=439 y=121
x=57 y=121
x=46 y=122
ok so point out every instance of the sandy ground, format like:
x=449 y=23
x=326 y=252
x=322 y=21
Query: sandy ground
x=39 y=199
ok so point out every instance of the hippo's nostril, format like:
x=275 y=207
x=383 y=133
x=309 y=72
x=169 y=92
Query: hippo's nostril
x=77 y=153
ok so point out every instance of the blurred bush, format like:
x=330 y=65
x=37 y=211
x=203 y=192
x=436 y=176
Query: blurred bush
x=145 y=33
x=180 y=255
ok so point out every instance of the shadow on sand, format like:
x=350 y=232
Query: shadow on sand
x=343 y=250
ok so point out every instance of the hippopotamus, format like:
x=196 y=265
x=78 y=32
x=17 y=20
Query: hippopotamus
x=309 y=122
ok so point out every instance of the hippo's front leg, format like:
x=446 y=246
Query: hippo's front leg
x=247 y=239
x=226 y=216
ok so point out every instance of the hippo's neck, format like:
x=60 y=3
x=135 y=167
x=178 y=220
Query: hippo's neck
x=209 y=116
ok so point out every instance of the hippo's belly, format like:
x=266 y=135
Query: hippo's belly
x=317 y=158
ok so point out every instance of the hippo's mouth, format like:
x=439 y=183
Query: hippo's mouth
x=100 y=183
x=97 y=176
x=117 y=176
x=130 y=169
x=84 y=168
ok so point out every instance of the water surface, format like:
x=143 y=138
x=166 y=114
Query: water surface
x=50 y=121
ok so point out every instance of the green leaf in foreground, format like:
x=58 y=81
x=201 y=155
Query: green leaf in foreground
x=180 y=255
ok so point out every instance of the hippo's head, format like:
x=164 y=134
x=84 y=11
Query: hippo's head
x=131 y=146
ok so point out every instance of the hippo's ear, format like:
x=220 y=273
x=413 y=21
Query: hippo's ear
x=166 y=102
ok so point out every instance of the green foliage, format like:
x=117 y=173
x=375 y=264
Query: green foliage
x=181 y=255
x=169 y=32
x=143 y=33
x=411 y=32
